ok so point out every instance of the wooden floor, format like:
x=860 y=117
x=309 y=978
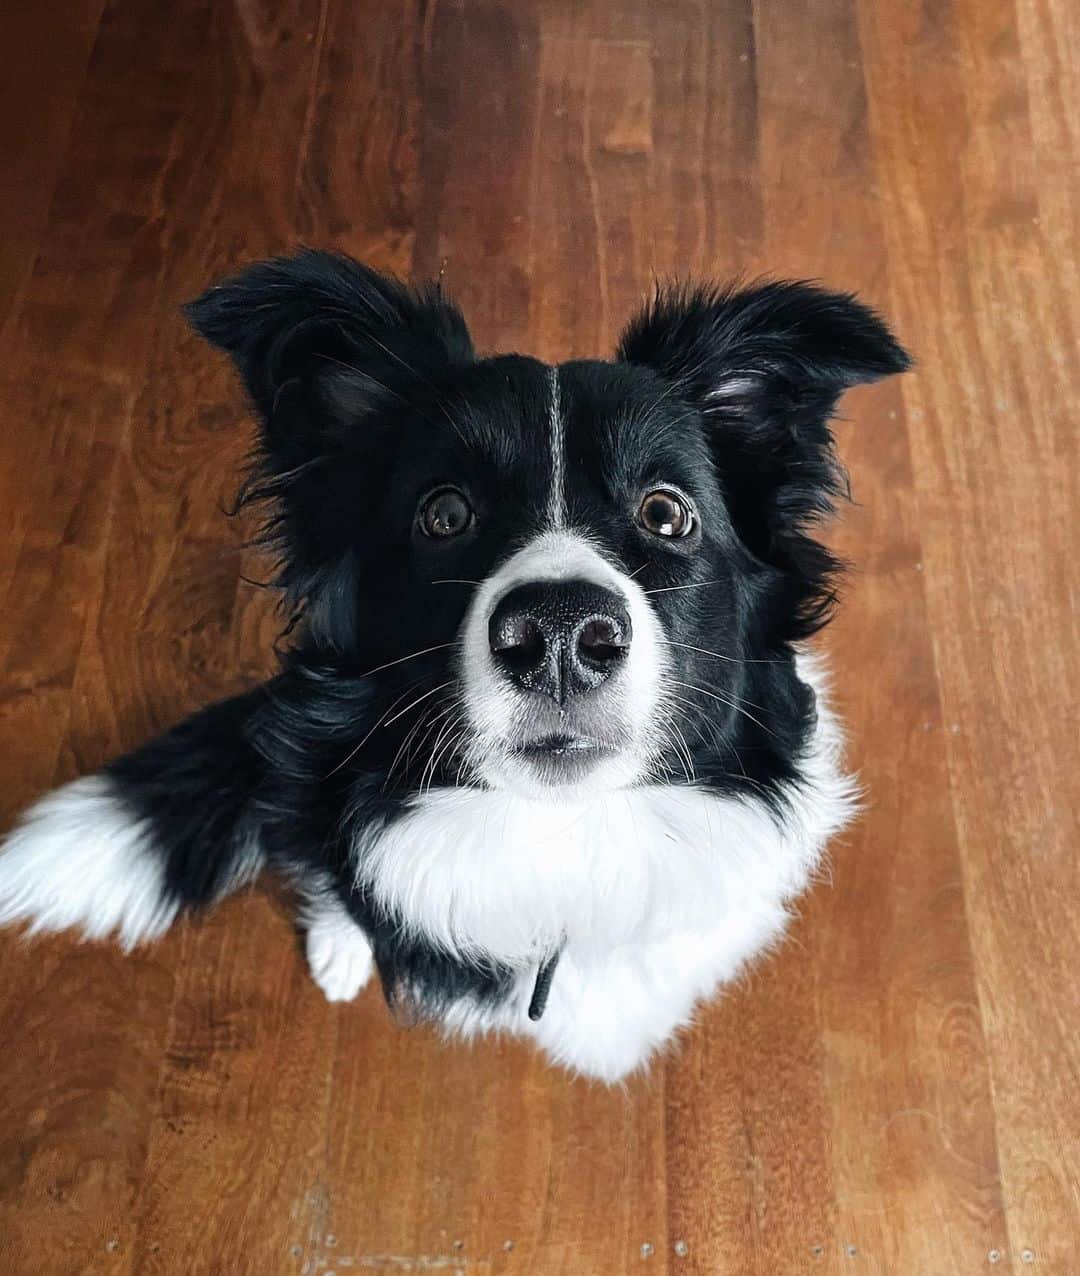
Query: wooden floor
x=897 y=1090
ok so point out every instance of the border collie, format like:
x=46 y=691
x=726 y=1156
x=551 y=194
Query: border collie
x=546 y=748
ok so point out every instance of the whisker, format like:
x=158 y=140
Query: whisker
x=735 y=698
x=445 y=731
x=453 y=580
x=721 y=699
x=416 y=740
x=467 y=761
x=375 y=726
x=670 y=589
x=441 y=685
x=686 y=757
x=707 y=728
x=413 y=739
x=441 y=646
x=452 y=741
x=735 y=660
x=702 y=724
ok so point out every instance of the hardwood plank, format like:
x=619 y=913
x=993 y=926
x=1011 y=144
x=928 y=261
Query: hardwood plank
x=827 y=1013
x=745 y=1096
x=48 y=47
x=567 y=320
x=75 y=352
x=158 y=598
x=992 y=208
x=480 y=92
x=899 y=1023
x=247 y=1145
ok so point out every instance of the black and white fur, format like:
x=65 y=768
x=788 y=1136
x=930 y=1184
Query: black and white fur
x=539 y=731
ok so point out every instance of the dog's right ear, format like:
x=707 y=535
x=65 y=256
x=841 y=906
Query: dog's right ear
x=321 y=340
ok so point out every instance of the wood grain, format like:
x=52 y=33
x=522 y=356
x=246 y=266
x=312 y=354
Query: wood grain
x=47 y=49
x=895 y=1090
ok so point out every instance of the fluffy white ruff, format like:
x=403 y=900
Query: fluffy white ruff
x=609 y=1013
x=495 y=707
x=338 y=951
x=659 y=894
x=484 y=873
x=80 y=858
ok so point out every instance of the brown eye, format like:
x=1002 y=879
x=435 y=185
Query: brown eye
x=446 y=513
x=666 y=513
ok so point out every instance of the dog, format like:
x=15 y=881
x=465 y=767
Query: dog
x=547 y=748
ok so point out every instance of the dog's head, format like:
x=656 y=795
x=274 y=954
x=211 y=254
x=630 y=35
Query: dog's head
x=570 y=578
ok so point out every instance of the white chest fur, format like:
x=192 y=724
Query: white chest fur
x=657 y=894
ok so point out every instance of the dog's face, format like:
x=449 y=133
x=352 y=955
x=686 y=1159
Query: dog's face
x=573 y=578
x=576 y=496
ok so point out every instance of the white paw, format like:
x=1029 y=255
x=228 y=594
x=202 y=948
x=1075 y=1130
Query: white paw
x=338 y=954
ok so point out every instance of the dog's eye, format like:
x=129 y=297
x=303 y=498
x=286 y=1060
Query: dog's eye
x=666 y=513
x=446 y=513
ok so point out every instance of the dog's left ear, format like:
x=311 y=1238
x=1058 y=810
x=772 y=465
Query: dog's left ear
x=766 y=366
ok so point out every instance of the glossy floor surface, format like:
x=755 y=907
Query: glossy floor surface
x=896 y=1090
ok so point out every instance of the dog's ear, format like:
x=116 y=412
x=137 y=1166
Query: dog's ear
x=321 y=340
x=325 y=345
x=766 y=366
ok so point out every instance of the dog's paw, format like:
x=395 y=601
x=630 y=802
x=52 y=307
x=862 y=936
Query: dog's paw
x=339 y=955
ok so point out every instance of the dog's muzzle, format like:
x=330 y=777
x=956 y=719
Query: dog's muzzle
x=562 y=661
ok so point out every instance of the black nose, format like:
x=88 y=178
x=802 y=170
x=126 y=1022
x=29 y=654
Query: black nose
x=559 y=637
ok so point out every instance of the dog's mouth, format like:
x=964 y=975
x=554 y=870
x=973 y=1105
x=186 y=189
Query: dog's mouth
x=559 y=744
x=560 y=759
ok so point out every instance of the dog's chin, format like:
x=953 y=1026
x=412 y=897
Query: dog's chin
x=567 y=768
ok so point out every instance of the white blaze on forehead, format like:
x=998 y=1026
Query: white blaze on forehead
x=495 y=706
x=556 y=510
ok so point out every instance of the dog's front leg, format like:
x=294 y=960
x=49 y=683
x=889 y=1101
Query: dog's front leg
x=338 y=950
